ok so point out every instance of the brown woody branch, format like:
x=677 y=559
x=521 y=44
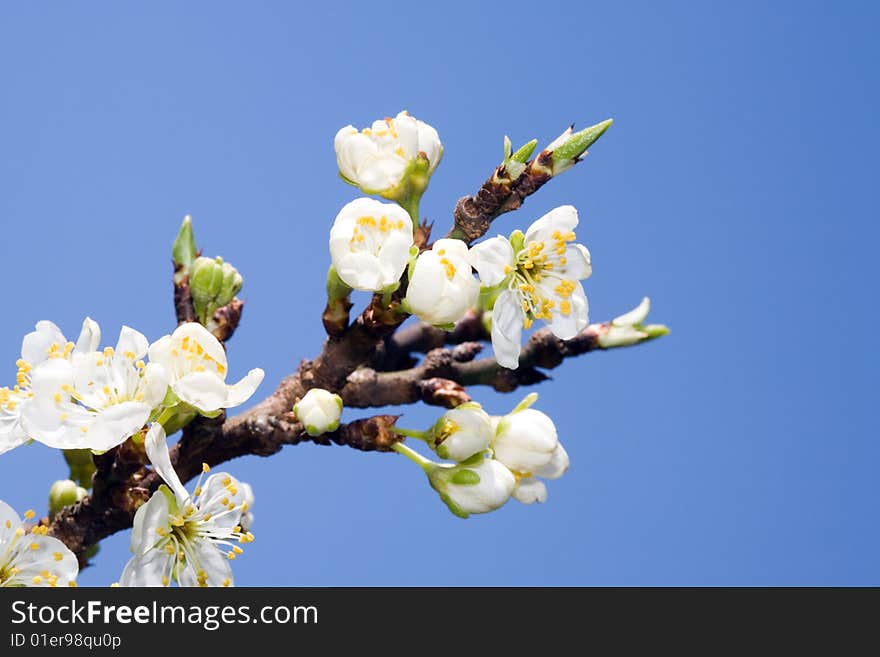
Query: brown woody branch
x=120 y=489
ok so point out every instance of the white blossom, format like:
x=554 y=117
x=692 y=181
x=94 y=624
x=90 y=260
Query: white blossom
x=478 y=485
x=370 y=243
x=196 y=365
x=461 y=432
x=46 y=342
x=319 y=411
x=32 y=559
x=377 y=159
x=540 y=274
x=190 y=539
x=442 y=287
x=95 y=399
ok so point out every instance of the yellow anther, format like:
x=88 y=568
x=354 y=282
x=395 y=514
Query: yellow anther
x=169 y=549
x=72 y=584
x=63 y=417
x=161 y=531
x=197 y=491
x=37 y=579
x=140 y=365
x=84 y=429
x=226 y=481
x=244 y=507
x=129 y=354
x=230 y=556
x=108 y=352
x=29 y=514
x=227 y=582
x=224 y=501
x=99 y=362
x=565 y=307
x=8 y=524
x=19 y=531
x=449 y=267
x=527 y=323
x=207 y=517
x=57 y=397
x=34 y=547
x=206 y=468
x=165 y=580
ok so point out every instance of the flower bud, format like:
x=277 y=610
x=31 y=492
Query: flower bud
x=570 y=147
x=319 y=411
x=64 y=492
x=442 y=287
x=525 y=440
x=627 y=329
x=213 y=283
x=478 y=485
x=184 y=250
x=461 y=432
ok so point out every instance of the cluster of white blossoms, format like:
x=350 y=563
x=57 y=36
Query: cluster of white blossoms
x=30 y=557
x=76 y=396
x=532 y=275
x=495 y=458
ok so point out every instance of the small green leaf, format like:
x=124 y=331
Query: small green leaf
x=524 y=153
x=579 y=142
x=184 y=250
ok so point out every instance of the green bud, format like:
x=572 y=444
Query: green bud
x=465 y=478
x=570 y=146
x=64 y=493
x=336 y=288
x=213 y=284
x=524 y=153
x=184 y=250
x=515 y=163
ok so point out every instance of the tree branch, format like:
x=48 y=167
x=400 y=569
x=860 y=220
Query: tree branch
x=120 y=489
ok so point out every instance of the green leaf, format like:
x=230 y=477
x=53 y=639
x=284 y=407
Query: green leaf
x=580 y=141
x=184 y=250
x=465 y=478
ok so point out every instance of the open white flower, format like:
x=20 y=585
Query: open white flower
x=442 y=287
x=369 y=244
x=319 y=411
x=32 y=559
x=46 y=342
x=190 y=539
x=540 y=273
x=461 y=432
x=377 y=159
x=478 y=485
x=97 y=399
x=196 y=365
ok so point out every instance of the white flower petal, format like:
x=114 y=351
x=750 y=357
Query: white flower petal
x=240 y=392
x=220 y=491
x=9 y=522
x=564 y=219
x=635 y=316
x=578 y=264
x=360 y=271
x=89 y=337
x=565 y=327
x=526 y=440
x=114 y=425
x=149 y=569
x=36 y=556
x=204 y=338
x=202 y=390
x=530 y=491
x=35 y=345
x=132 y=343
x=154 y=385
x=150 y=519
x=156 y=447
x=507 y=326
x=490 y=258
x=394 y=254
x=211 y=561
x=556 y=467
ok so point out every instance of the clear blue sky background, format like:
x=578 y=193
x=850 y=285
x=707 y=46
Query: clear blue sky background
x=737 y=188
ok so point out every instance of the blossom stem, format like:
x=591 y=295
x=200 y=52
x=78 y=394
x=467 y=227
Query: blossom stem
x=411 y=433
x=412 y=455
x=410 y=203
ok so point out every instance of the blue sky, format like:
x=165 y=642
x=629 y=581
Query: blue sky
x=735 y=188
